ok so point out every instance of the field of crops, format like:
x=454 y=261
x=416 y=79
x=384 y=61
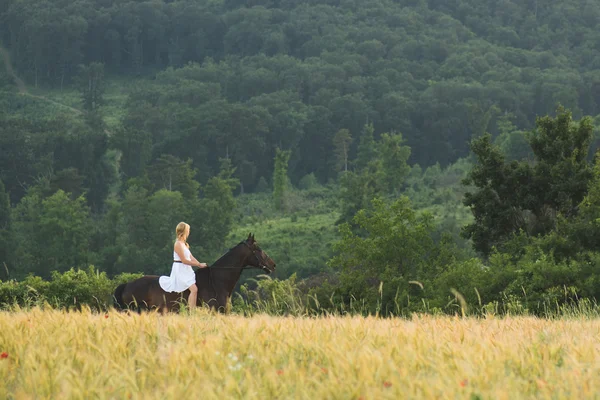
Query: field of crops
x=55 y=354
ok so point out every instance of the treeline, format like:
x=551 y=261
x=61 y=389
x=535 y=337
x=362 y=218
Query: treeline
x=535 y=230
x=293 y=74
x=378 y=99
x=64 y=203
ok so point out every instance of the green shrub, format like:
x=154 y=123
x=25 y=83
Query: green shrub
x=308 y=181
x=71 y=289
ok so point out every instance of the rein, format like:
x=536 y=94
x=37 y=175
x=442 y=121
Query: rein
x=244 y=267
x=212 y=266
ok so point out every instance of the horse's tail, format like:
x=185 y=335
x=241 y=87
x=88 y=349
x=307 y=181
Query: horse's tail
x=118 y=296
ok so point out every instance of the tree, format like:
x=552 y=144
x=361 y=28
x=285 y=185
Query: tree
x=5 y=229
x=280 y=178
x=367 y=151
x=341 y=142
x=394 y=247
x=357 y=190
x=214 y=213
x=561 y=148
x=513 y=142
x=136 y=149
x=394 y=161
x=134 y=233
x=68 y=180
x=91 y=85
x=170 y=173
x=165 y=210
x=51 y=234
x=21 y=155
x=517 y=196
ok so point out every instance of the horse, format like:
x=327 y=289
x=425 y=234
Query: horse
x=215 y=283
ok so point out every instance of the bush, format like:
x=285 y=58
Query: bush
x=262 y=186
x=71 y=289
x=308 y=181
x=272 y=296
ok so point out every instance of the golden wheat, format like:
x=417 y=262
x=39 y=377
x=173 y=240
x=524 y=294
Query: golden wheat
x=56 y=354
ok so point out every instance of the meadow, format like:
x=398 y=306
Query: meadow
x=83 y=355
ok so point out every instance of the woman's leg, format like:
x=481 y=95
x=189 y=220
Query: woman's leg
x=193 y=296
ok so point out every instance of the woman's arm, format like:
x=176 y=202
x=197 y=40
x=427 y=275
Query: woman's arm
x=201 y=265
x=181 y=253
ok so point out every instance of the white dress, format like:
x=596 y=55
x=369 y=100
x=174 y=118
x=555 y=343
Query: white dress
x=182 y=275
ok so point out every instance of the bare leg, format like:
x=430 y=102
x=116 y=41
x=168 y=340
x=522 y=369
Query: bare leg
x=193 y=297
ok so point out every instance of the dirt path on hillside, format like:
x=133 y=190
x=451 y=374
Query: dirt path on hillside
x=8 y=66
x=23 y=88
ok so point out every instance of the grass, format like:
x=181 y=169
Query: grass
x=54 y=354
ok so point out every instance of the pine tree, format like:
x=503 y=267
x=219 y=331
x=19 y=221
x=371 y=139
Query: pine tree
x=280 y=178
x=5 y=245
x=341 y=142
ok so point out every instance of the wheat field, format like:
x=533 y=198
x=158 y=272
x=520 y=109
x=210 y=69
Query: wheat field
x=47 y=354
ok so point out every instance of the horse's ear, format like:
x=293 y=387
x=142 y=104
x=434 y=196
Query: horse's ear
x=249 y=236
x=254 y=240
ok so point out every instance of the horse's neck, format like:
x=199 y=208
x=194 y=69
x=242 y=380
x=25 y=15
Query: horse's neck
x=231 y=261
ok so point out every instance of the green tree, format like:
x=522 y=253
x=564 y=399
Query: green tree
x=136 y=149
x=394 y=248
x=367 y=151
x=518 y=196
x=214 y=212
x=52 y=234
x=69 y=181
x=280 y=178
x=394 y=161
x=576 y=238
x=561 y=148
x=357 y=190
x=513 y=142
x=5 y=230
x=165 y=210
x=140 y=239
x=170 y=173
x=91 y=85
x=341 y=142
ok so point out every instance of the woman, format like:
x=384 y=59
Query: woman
x=182 y=275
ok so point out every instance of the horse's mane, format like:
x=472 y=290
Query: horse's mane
x=206 y=274
x=221 y=260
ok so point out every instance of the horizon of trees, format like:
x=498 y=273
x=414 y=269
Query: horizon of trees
x=375 y=98
x=237 y=79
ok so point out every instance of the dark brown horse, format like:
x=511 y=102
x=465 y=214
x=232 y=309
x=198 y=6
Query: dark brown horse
x=215 y=283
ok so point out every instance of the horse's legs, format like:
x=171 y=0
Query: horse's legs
x=206 y=298
x=222 y=303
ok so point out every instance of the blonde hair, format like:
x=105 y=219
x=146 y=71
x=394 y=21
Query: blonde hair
x=181 y=230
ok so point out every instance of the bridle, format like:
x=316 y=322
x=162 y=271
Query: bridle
x=259 y=261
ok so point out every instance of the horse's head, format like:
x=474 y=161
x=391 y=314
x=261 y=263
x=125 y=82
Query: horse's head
x=259 y=258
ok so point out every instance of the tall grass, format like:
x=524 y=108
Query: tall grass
x=56 y=354
x=288 y=298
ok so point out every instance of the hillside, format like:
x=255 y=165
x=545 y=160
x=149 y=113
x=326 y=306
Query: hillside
x=363 y=141
x=294 y=73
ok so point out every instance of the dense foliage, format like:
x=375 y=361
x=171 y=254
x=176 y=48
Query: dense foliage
x=292 y=74
x=119 y=119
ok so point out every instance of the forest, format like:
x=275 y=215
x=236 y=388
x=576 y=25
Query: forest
x=391 y=156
